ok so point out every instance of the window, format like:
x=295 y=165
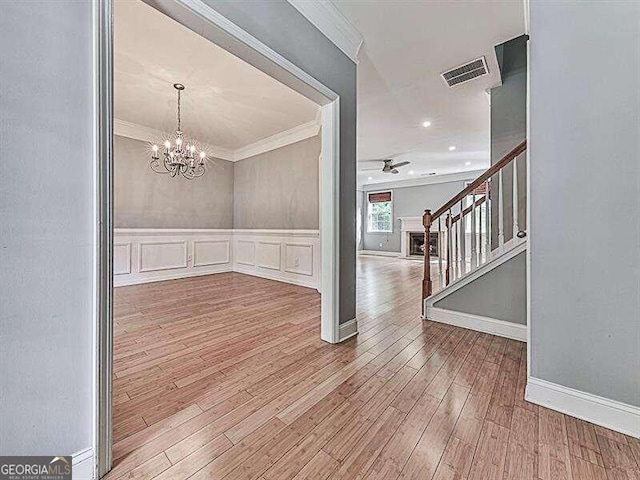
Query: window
x=380 y=212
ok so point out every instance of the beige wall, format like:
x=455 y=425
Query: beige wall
x=276 y=190
x=144 y=199
x=279 y=189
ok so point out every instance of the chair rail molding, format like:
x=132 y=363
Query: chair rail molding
x=333 y=24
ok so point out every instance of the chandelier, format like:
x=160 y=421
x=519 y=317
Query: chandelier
x=178 y=156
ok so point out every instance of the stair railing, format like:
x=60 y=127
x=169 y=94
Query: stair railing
x=466 y=242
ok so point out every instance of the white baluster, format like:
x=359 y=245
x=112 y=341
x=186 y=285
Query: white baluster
x=463 y=253
x=474 y=252
x=480 y=241
x=487 y=219
x=515 y=199
x=500 y=213
x=440 y=249
x=449 y=248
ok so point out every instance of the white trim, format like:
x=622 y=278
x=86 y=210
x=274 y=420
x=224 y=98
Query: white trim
x=82 y=464
x=135 y=131
x=330 y=221
x=348 y=329
x=493 y=326
x=607 y=413
x=430 y=180
x=280 y=266
x=528 y=172
x=279 y=140
x=298 y=133
x=147 y=232
x=378 y=253
x=477 y=273
x=333 y=24
x=183 y=264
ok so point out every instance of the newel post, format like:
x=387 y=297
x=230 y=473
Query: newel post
x=426 y=279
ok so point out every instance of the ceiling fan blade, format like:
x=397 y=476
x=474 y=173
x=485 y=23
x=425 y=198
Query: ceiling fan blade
x=394 y=171
x=370 y=169
x=401 y=164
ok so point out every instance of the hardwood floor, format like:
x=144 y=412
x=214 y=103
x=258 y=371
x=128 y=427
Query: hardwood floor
x=225 y=377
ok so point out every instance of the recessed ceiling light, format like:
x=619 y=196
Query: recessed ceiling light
x=467 y=163
x=369 y=178
x=426 y=124
x=411 y=172
x=452 y=148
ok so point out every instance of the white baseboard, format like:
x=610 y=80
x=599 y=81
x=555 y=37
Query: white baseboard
x=82 y=464
x=274 y=276
x=348 y=330
x=162 y=275
x=378 y=253
x=602 y=411
x=500 y=328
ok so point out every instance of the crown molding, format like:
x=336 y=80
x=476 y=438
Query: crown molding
x=414 y=182
x=282 y=139
x=306 y=130
x=326 y=17
x=148 y=134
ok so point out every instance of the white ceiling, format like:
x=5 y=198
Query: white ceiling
x=407 y=44
x=227 y=102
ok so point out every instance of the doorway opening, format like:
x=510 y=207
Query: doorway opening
x=130 y=256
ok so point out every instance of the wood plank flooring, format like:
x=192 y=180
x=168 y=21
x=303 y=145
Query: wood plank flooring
x=225 y=377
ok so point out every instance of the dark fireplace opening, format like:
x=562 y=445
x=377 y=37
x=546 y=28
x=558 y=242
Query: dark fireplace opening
x=416 y=244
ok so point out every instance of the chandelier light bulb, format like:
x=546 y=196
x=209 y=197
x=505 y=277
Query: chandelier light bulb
x=167 y=144
x=192 y=148
x=155 y=149
x=202 y=155
x=178 y=141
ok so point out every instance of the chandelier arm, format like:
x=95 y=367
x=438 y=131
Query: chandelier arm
x=157 y=168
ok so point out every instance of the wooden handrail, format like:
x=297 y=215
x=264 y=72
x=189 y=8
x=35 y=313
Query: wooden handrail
x=495 y=168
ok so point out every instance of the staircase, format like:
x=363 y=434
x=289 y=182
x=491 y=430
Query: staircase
x=480 y=229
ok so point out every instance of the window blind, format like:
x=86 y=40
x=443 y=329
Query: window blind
x=380 y=197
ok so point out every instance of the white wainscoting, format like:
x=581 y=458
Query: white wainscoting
x=291 y=256
x=144 y=255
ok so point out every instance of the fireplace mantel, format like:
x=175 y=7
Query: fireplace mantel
x=410 y=225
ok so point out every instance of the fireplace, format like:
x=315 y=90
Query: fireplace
x=416 y=244
x=412 y=238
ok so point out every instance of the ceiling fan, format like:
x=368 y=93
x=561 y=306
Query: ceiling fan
x=388 y=167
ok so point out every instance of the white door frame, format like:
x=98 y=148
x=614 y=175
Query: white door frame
x=205 y=21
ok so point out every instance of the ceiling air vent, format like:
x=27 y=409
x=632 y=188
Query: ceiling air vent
x=465 y=72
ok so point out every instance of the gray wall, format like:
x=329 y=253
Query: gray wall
x=278 y=189
x=407 y=202
x=46 y=228
x=144 y=199
x=585 y=196
x=280 y=26
x=509 y=129
x=499 y=294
